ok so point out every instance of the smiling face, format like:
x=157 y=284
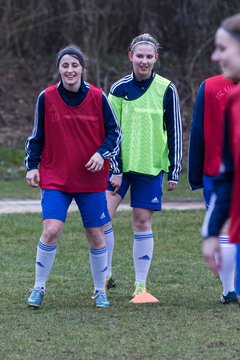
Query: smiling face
x=227 y=54
x=70 y=71
x=143 y=58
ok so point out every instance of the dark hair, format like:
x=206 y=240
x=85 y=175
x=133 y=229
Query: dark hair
x=73 y=50
x=144 y=38
x=232 y=24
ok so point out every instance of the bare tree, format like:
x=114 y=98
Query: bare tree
x=32 y=31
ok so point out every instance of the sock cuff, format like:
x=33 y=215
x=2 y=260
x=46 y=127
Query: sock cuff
x=100 y=251
x=224 y=239
x=108 y=230
x=45 y=247
x=144 y=235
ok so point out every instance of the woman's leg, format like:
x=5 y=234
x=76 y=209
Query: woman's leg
x=98 y=262
x=113 y=202
x=228 y=250
x=54 y=211
x=143 y=244
x=46 y=252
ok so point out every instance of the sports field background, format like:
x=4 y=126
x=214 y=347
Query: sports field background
x=188 y=323
x=13 y=185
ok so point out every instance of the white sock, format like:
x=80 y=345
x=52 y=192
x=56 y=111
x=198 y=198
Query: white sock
x=98 y=262
x=44 y=261
x=227 y=271
x=142 y=254
x=109 y=239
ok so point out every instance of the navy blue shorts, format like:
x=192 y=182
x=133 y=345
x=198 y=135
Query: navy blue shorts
x=92 y=206
x=145 y=190
x=207 y=189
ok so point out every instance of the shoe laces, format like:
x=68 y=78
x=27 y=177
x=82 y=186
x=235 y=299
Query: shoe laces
x=101 y=295
x=42 y=291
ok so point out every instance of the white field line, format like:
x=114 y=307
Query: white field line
x=19 y=206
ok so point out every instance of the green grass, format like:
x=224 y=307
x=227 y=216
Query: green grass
x=182 y=191
x=13 y=184
x=12 y=175
x=187 y=323
x=18 y=189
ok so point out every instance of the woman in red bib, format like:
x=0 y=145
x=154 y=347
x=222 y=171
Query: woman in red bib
x=225 y=199
x=75 y=134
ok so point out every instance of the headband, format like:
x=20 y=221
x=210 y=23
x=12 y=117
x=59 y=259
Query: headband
x=232 y=33
x=70 y=51
x=144 y=42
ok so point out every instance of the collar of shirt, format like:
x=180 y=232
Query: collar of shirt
x=73 y=98
x=135 y=88
x=143 y=83
x=72 y=94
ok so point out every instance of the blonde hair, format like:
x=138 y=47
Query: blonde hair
x=144 y=39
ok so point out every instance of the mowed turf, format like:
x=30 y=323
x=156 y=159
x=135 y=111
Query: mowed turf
x=17 y=188
x=187 y=323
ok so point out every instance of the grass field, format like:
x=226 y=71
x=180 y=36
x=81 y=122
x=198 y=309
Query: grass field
x=13 y=184
x=187 y=323
x=18 y=189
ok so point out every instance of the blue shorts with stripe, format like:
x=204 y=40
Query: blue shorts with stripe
x=145 y=190
x=92 y=206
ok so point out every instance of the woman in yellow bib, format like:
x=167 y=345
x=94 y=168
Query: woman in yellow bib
x=147 y=108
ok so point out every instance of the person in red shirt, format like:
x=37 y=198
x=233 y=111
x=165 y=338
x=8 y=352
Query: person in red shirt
x=205 y=152
x=75 y=134
x=224 y=202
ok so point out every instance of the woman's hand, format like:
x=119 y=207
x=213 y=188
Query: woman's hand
x=95 y=164
x=171 y=185
x=210 y=250
x=33 y=178
x=115 y=181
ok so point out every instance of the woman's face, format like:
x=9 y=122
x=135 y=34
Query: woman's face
x=227 y=54
x=143 y=58
x=70 y=71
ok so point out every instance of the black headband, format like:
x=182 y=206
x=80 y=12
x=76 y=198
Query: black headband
x=232 y=33
x=70 y=51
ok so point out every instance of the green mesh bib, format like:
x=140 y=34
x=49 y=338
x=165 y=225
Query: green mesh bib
x=144 y=144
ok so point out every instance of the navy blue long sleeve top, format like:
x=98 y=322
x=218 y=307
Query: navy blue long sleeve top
x=110 y=146
x=129 y=87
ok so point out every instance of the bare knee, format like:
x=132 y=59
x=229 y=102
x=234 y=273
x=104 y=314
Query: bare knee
x=95 y=237
x=142 y=219
x=142 y=224
x=52 y=231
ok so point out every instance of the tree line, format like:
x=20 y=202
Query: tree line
x=33 y=31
